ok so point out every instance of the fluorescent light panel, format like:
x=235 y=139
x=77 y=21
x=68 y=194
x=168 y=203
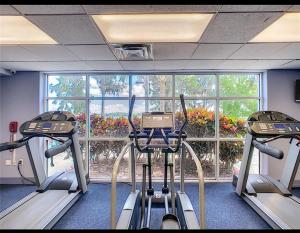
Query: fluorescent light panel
x=285 y=29
x=19 y=30
x=143 y=28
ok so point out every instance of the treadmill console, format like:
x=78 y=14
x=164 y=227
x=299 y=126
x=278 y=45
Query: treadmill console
x=58 y=123
x=272 y=123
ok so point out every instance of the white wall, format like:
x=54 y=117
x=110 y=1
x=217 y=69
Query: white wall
x=20 y=102
x=281 y=97
x=1 y=110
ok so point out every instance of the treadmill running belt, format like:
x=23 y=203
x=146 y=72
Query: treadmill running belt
x=284 y=207
x=37 y=212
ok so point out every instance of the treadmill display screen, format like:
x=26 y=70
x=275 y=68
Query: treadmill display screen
x=47 y=125
x=279 y=126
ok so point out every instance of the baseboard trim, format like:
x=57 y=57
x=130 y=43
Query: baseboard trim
x=296 y=184
x=19 y=180
x=15 y=180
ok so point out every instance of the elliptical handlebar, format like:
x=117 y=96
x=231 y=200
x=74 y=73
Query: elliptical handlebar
x=184 y=112
x=131 y=123
x=165 y=137
x=130 y=112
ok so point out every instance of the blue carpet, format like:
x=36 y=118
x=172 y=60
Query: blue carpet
x=224 y=209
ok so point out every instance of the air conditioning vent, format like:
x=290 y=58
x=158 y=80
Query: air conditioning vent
x=133 y=51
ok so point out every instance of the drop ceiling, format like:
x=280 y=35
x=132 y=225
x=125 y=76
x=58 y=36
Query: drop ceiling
x=224 y=44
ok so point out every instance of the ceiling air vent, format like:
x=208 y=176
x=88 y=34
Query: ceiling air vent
x=133 y=51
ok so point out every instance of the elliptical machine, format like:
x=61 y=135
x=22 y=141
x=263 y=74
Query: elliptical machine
x=158 y=126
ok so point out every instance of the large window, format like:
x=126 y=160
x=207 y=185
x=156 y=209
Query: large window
x=218 y=105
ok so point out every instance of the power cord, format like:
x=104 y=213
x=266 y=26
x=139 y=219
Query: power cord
x=19 y=163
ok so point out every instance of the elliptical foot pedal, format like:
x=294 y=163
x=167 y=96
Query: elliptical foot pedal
x=170 y=221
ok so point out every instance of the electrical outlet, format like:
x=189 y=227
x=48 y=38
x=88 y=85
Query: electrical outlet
x=8 y=162
x=21 y=161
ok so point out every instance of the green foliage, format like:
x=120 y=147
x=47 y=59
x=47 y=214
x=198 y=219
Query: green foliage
x=111 y=84
x=238 y=85
x=68 y=86
x=195 y=85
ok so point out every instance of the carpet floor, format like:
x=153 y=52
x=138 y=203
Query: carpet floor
x=224 y=209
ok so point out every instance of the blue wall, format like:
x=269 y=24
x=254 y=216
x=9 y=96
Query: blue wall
x=20 y=101
x=281 y=97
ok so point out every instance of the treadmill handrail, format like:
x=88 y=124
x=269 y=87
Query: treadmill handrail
x=13 y=145
x=274 y=152
x=114 y=185
x=58 y=149
x=21 y=142
x=201 y=184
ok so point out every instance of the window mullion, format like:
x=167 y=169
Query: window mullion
x=217 y=125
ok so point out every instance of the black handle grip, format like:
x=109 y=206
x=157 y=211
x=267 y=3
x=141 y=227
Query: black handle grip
x=13 y=145
x=274 y=152
x=130 y=112
x=183 y=105
x=58 y=149
x=184 y=112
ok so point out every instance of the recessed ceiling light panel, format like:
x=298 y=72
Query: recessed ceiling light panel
x=285 y=29
x=145 y=28
x=19 y=30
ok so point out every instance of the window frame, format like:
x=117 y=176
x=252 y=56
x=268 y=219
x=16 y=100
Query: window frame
x=217 y=98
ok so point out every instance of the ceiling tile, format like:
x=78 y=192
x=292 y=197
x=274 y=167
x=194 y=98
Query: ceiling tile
x=203 y=64
x=107 y=9
x=137 y=65
x=51 y=52
x=258 y=51
x=16 y=53
x=294 y=8
x=50 y=9
x=69 y=29
x=170 y=65
x=237 y=64
x=292 y=51
x=291 y=65
x=92 y=52
x=45 y=66
x=215 y=51
x=173 y=50
x=104 y=65
x=253 y=8
x=185 y=8
x=8 y=10
x=237 y=27
x=268 y=64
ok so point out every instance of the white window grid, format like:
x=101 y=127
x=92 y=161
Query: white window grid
x=217 y=98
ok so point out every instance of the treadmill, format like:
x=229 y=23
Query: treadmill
x=270 y=198
x=55 y=194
